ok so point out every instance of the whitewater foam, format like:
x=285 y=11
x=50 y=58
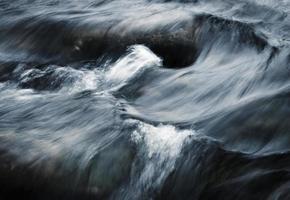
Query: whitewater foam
x=158 y=149
x=138 y=57
x=163 y=140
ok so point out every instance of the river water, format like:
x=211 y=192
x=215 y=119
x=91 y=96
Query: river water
x=145 y=99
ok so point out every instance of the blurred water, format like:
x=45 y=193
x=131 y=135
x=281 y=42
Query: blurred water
x=123 y=99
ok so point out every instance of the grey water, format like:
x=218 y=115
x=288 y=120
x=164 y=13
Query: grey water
x=145 y=99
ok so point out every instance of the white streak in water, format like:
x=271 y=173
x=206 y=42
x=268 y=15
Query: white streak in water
x=159 y=148
x=139 y=57
x=163 y=140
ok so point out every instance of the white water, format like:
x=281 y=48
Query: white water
x=159 y=147
x=164 y=141
x=138 y=58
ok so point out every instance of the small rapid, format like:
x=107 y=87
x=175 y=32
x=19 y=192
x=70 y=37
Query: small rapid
x=146 y=99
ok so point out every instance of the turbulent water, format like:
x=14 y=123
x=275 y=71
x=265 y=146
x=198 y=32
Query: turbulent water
x=145 y=99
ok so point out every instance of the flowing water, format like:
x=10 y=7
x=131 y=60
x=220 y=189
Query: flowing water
x=145 y=99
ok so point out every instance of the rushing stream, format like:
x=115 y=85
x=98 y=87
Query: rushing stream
x=145 y=99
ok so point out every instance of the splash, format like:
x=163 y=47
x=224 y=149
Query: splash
x=139 y=58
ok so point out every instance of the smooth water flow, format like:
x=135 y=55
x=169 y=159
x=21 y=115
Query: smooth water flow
x=144 y=99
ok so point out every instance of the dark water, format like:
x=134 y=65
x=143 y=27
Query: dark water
x=140 y=99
